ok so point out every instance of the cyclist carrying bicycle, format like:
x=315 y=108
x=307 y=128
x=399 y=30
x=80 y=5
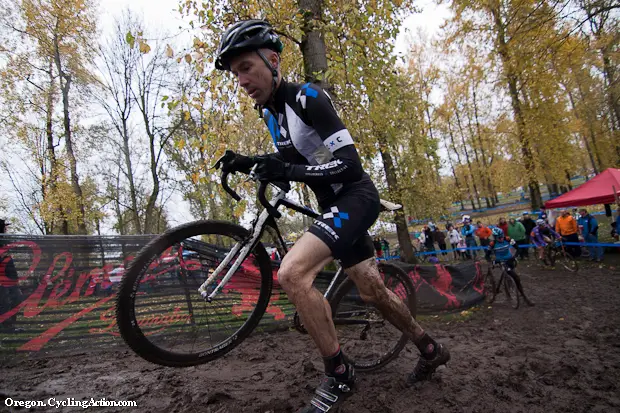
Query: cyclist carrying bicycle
x=500 y=247
x=542 y=235
x=315 y=147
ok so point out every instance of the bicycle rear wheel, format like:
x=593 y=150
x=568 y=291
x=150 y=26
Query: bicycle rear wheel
x=512 y=293
x=368 y=339
x=162 y=316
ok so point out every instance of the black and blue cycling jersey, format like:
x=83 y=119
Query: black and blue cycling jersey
x=308 y=133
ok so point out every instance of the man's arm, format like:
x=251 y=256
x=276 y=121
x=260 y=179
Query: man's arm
x=346 y=165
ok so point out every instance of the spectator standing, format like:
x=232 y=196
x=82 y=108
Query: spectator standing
x=467 y=232
x=528 y=224
x=484 y=235
x=503 y=225
x=377 y=244
x=454 y=237
x=567 y=227
x=440 y=237
x=385 y=245
x=516 y=232
x=429 y=241
x=589 y=230
x=10 y=294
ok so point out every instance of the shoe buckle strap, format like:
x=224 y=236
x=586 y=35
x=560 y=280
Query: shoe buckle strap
x=322 y=406
x=327 y=395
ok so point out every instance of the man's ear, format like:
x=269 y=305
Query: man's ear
x=274 y=59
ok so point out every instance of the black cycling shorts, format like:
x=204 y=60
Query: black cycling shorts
x=343 y=225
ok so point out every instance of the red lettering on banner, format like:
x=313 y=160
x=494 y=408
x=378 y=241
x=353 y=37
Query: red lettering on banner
x=59 y=279
x=443 y=284
x=176 y=316
x=479 y=280
x=32 y=302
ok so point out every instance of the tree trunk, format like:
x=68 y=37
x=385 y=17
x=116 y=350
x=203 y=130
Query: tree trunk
x=130 y=177
x=456 y=179
x=511 y=80
x=485 y=164
x=458 y=160
x=52 y=183
x=312 y=45
x=471 y=172
x=65 y=86
x=609 y=73
x=402 y=232
x=150 y=205
x=568 y=184
x=583 y=136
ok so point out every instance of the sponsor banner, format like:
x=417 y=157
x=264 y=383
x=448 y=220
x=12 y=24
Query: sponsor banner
x=58 y=293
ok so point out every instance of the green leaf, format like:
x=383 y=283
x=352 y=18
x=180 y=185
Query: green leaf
x=130 y=39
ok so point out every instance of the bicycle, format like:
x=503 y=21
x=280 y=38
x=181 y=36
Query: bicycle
x=556 y=252
x=224 y=286
x=492 y=289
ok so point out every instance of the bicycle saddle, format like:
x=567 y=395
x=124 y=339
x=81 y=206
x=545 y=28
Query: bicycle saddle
x=390 y=206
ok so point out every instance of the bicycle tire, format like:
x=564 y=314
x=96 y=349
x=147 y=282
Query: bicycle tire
x=392 y=273
x=568 y=262
x=512 y=293
x=490 y=287
x=551 y=257
x=128 y=324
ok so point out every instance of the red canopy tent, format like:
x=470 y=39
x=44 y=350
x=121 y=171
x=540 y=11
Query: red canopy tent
x=598 y=190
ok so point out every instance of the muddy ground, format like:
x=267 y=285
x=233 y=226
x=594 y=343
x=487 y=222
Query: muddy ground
x=563 y=355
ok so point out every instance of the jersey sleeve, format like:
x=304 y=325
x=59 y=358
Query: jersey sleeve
x=319 y=113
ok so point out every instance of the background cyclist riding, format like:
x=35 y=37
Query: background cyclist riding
x=500 y=247
x=315 y=147
x=542 y=235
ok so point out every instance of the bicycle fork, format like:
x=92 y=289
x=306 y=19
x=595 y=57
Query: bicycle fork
x=243 y=248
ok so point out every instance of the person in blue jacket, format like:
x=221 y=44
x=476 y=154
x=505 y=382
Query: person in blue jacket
x=589 y=229
x=468 y=234
x=501 y=247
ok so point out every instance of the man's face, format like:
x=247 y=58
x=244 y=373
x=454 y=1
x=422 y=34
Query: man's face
x=502 y=220
x=253 y=75
x=582 y=213
x=565 y=213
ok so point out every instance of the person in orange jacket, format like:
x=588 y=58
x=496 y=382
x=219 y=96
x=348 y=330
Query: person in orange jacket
x=567 y=227
x=484 y=235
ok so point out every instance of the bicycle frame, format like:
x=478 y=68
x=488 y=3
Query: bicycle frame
x=244 y=247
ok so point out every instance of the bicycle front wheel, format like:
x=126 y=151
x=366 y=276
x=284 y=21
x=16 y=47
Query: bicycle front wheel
x=490 y=289
x=567 y=261
x=366 y=337
x=162 y=316
x=512 y=293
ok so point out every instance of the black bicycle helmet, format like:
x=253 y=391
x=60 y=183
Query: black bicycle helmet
x=244 y=36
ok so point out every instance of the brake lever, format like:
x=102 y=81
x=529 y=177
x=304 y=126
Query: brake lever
x=252 y=175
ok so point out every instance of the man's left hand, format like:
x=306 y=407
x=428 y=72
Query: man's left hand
x=270 y=168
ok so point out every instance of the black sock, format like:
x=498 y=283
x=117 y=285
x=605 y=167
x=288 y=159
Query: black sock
x=336 y=366
x=427 y=346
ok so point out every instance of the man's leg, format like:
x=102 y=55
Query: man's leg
x=591 y=250
x=515 y=276
x=298 y=270
x=366 y=277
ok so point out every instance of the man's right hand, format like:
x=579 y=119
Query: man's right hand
x=233 y=162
